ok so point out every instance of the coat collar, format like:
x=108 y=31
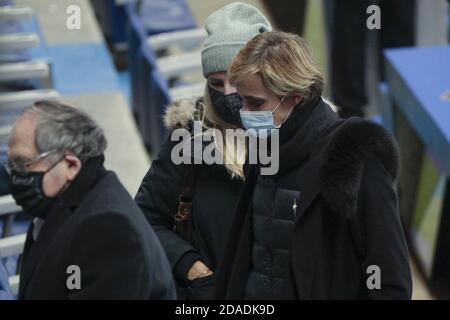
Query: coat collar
x=58 y=216
x=303 y=132
x=81 y=185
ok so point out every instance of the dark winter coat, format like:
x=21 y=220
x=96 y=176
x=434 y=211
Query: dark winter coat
x=214 y=202
x=97 y=229
x=341 y=176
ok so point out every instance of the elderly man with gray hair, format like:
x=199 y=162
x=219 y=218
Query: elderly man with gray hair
x=88 y=239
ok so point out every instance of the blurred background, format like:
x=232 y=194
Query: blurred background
x=123 y=61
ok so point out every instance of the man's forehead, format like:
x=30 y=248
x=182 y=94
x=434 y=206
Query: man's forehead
x=22 y=138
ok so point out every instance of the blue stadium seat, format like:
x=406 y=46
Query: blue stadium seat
x=5 y=288
x=112 y=20
x=23 y=55
x=136 y=35
x=29 y=28
x=11 y=249
x=156 y=96
x=152 y=89
x=146 y=18
x=156 y=15
x=23 y=69
x=4 y=189
x=165 y=15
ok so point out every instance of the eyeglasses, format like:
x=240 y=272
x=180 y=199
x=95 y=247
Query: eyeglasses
x=22 y=167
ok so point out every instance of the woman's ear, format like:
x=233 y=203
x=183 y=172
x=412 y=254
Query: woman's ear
x=295 y=99
x=73 y=166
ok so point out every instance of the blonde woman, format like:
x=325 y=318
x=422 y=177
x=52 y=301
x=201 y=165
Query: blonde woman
x=210 y=191
x=326 y=225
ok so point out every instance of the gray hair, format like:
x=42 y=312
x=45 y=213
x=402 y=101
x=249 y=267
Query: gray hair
x=65 y=128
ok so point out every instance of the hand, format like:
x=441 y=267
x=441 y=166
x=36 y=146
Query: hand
x=198 y=270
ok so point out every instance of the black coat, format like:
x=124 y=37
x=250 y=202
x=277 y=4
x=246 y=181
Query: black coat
x=96 y=226
x=214 y=202
x=346 y=219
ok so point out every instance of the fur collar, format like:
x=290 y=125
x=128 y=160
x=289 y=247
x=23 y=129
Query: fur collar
x=180 y=113
x=350 y=146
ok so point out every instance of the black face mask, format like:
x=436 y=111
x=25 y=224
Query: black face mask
x=27 y=191
x=227 y=106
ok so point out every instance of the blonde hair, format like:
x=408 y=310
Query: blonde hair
x=233 y=151
x=284 y=62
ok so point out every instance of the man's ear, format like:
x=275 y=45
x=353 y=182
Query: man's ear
x=73 y=165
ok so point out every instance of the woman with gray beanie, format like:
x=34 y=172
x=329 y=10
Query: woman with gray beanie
x=191 y=207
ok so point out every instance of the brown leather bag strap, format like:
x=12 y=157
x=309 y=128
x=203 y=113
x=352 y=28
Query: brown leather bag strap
x=183 y=216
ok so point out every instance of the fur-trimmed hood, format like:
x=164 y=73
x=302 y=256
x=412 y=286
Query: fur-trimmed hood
x=180 y=113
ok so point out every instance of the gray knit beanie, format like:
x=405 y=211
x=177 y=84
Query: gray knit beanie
x=229 y=29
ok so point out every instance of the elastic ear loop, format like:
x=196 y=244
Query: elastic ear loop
x=287 y=116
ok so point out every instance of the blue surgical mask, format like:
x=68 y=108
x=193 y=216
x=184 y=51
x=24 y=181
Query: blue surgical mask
x=261 y=121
